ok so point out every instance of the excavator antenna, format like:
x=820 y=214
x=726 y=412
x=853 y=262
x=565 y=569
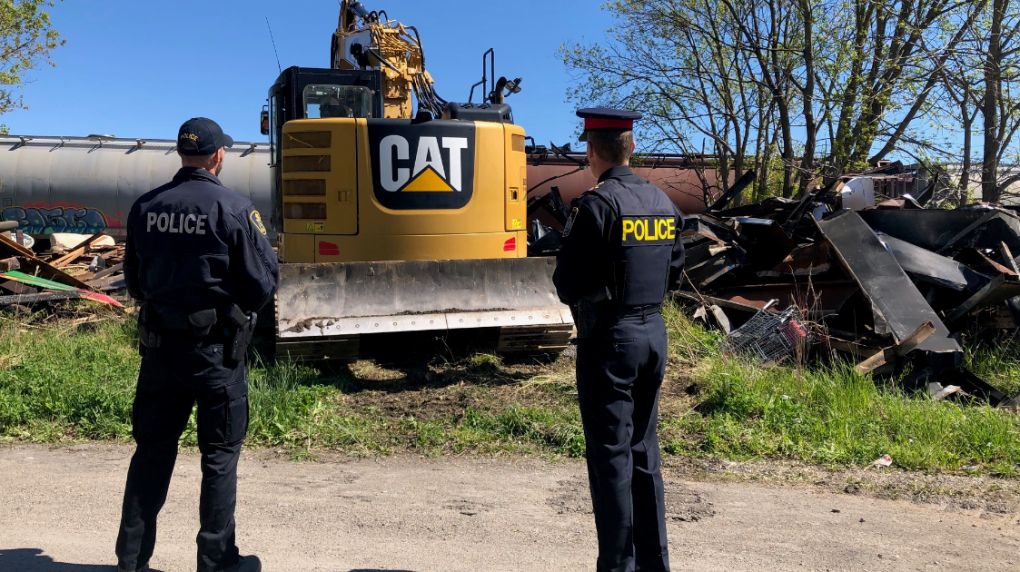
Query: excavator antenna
x=272 y=39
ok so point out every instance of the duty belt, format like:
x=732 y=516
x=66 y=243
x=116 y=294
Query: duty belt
x=643 y=311
x=239 y=326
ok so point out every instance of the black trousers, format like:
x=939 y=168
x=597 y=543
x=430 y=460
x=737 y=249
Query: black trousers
x=184 y=371
x=619 y=373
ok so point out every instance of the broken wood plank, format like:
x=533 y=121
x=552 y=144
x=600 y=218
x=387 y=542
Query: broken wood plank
x=28 y=299
x=32 y=264
x=77 y=251
x=1010 y=261
x=104 y=273
x=16 y=287
x=8 y=264
x=109 y=283
x=9 y=245
x=909 y=344
x=50 y=284
x=852 y=347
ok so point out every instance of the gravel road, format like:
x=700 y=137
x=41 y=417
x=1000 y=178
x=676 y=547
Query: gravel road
x=59 y=510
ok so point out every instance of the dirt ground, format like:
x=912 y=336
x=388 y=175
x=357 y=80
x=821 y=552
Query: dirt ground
x=59 y=510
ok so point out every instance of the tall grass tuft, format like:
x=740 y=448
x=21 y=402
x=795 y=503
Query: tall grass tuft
x=833 y=416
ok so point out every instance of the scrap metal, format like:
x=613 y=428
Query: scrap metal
x=890 y=286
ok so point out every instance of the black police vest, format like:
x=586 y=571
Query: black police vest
x=641 y=242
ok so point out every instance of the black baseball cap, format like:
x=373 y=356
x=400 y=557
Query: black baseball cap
x=201 y=136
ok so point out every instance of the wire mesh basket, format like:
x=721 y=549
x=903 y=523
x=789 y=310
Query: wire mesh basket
x=770 y=336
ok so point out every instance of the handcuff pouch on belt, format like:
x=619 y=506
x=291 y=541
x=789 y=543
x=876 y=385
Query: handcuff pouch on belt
x=148 y=332
x=238 y=325
x=586 y=313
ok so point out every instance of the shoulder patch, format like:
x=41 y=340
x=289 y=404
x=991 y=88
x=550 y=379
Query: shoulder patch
x=570 y=222
x=256 y=219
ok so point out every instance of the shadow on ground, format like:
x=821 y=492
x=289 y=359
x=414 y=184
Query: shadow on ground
x=398 y=363
x=33 y=560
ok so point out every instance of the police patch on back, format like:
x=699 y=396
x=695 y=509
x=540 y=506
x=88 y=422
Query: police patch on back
x=176 y=223
x=648 y=230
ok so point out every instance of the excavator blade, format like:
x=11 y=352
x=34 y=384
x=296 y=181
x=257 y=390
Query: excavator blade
x=324 y=309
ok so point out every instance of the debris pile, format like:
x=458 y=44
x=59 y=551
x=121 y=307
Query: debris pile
x=891 y=285
x=89 y=269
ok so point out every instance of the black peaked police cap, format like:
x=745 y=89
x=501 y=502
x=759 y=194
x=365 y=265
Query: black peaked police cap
x=201 y=136
x=597 y=118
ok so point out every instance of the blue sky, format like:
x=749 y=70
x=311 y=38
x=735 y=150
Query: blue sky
x=139 y=68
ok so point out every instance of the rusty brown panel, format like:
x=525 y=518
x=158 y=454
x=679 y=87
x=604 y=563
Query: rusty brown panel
x=818 y=298
x=674 y=175
x=807 y=260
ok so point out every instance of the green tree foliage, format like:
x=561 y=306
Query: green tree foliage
x=980 y=102
x=828 y=86
x=26 y=40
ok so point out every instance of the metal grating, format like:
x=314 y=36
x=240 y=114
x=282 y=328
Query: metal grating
x=770 y=336
x=305 y=187
x=308 y=140
x=307 y=164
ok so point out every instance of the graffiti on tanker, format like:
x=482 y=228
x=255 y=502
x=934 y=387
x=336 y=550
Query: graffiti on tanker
x=48 y=218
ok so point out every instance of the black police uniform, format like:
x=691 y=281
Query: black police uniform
x=196 y=253
x=621 y=254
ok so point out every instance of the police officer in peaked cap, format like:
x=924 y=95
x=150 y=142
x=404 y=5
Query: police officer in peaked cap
x=621 y=255
x=200 y=263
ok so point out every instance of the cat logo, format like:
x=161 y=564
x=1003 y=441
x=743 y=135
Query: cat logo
x=422 y=166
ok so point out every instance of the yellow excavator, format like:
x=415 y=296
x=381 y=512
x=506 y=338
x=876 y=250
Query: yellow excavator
x=397 y=219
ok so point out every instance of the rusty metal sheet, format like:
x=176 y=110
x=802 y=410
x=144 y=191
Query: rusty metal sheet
x=748 y=309
x=765 y=241
x=898 y=306
x=699 y=227
x=999 y=290
x=714 y=268
x=809 y=260
x=818 y=299
x=980 y=262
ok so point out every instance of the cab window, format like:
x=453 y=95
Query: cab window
x=324 y=101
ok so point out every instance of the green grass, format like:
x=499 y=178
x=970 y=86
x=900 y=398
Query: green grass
x=999 y=365
x=832 y=416
x=64 y=383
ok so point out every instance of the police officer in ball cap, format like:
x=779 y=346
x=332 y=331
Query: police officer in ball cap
x=621 y=255
x=200 y=263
